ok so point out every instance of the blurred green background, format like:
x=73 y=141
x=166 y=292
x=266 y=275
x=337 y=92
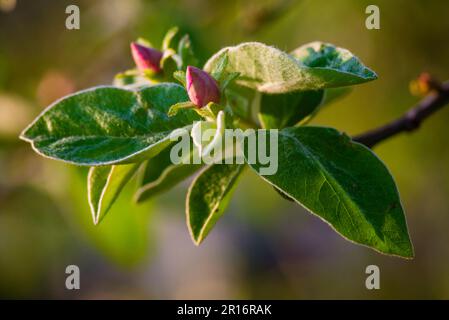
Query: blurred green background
x=264 y=246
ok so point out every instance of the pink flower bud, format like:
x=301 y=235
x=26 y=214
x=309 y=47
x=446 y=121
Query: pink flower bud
x=201 y=87
x=145 y=57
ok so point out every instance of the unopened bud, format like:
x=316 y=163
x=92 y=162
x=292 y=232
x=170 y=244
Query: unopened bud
x=424 y=84
x=146 y=57
x=201 y=87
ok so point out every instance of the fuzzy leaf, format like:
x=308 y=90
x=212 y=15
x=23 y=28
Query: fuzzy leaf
x=104 y=185
x=109 y=125
x=343 y=183
x=270 y=70
x=208 y=197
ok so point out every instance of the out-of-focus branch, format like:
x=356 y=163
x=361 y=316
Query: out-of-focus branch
x=437 y=97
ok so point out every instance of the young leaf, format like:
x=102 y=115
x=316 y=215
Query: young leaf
x=169 y=64
x=343 y=183
x=179 y=106
x=278 y=111
x=104 y=185
x=270 y=70
x=210 y=111
x=185 y=51
x=168 y=42
x=202 y=137
x=208 y=197
x=109 y=125
x=220 y=66
x=159 y=174
x=130 y=79
x=180 y=76
x=145 y=42
x=227 y=79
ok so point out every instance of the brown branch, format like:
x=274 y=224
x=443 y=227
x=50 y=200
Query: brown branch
x=410 y=121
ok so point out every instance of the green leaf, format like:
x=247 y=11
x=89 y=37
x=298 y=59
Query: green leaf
x=271 y=70
x=242 y=101
x=220 y=66
x=219 y=71
x=169 y=64
x=109 y=125
x=144 y=42
x=278 y=111
x=159 y=174
x=180 y=76
x=334 y=94
x=185 y=51
x=326 y=56
x=208 y=197
x=128 y=78
x=228 y=79
x=179 y=106
x=202 y=137
x=169 y=38
x=343 y=183
x=104 y=185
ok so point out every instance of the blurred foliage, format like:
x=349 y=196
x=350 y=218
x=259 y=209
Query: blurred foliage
x=123 y=237
x=264 y=247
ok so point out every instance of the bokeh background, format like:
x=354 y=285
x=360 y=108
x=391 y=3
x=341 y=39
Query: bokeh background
x=264 y=247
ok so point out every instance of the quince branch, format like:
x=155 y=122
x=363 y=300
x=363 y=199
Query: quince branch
x=437 y=96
